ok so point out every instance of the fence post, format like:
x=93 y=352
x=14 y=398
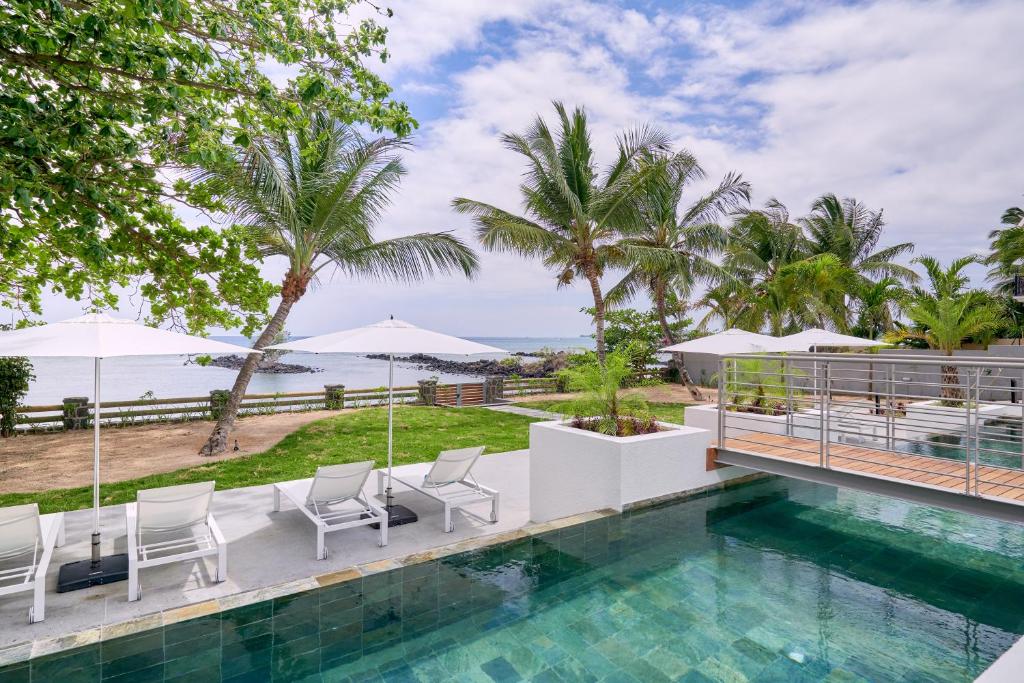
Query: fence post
x=428 y=392
x=334 y=396
x=76 y=412
x=494 y=389
x=218 y=399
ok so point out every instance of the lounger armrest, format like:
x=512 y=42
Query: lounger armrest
x=214 y=529
x=131 y=514
x=487 y=490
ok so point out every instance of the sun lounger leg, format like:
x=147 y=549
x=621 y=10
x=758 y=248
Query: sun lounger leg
x=321 y=546
x=449 y=526
x=384 y=528
x=494 y=509
x=38 y=612
x=380 y=482
x=277 y=499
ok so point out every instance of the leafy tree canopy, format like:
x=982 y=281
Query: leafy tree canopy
x=102 y=102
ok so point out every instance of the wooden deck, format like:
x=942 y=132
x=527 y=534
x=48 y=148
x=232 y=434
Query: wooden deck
x=999 y=483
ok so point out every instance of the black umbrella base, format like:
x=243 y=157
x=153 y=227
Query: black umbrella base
x=397 y=516
x=84 y=573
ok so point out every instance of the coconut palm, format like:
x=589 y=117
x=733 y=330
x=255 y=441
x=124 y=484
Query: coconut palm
x=1007 y=256
x=313 y=198
x=850 y=231
x=947 y=313
x=573 y=214
x=725 y=302
x=673 y=248
x=763 y=244
x=878 y=306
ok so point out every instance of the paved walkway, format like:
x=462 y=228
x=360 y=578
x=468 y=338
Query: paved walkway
x=518 y=409
x=264 y=549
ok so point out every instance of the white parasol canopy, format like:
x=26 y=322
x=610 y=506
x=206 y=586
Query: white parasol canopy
x=733 y=341
x=815 y=338
x=98 y=336
x=390 y=337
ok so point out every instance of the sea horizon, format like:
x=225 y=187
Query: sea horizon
x=130 y=378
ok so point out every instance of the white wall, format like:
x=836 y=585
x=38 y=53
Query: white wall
x=574 y=471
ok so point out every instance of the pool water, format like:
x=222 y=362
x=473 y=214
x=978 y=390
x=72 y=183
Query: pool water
x=1000 y=443
x=777 y=580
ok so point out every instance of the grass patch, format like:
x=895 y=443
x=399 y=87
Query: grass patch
x=420 y=433
x=666 y=412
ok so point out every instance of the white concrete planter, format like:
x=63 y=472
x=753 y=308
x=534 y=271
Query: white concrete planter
x=805 y=422
x=941 y=419
x=573 y=470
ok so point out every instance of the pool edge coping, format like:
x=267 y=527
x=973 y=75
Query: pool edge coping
x=40 y=647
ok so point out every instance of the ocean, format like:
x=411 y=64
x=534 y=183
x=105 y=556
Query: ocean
x=125 y=379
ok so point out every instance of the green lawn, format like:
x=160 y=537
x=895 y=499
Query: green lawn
x=667 y=412
x=420 y=434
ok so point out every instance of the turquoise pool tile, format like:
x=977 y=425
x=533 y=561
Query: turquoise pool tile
x=778 y=581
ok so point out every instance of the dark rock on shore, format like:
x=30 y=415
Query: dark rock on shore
x=484 y=367
x=275 y=368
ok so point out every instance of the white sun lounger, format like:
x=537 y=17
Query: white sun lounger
x=172 y=524
x=323 y=500
x=450 y=483
x=28 y=537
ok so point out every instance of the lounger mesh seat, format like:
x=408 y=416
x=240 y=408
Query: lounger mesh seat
x=450 y=482
x=27 y=540
x=172 y=524
x=333 y=500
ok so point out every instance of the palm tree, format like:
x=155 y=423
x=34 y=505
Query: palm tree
x=947 y=314
x=878 y=306
x=725 y=302
x=1007 y=257
x=313 y=198
x=573 y=214
x=850 y=231
x=763 y=244
x=674 y=246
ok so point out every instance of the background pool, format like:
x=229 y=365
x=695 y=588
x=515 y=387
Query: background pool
x=773 y=581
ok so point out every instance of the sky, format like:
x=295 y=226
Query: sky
x=911 y=107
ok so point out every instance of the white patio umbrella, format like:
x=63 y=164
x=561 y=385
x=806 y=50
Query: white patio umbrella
x=99 y=336
x=391 y=337
x=731 y=341
x=815 y=338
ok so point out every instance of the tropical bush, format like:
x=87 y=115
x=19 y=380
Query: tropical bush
x=15 y=376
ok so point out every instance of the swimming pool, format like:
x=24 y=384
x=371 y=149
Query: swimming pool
x=777 y=580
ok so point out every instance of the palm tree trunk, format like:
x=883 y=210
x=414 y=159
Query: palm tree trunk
x=599 y=306
x=951 y=390
x=218 y=440
x=666 y=334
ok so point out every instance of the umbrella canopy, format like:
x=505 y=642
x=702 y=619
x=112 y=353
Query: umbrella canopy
x=816 y=337
x=732 y=341
x=98 y=335
x=388 y=336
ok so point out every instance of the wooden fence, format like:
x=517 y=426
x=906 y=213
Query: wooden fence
x=73 y=415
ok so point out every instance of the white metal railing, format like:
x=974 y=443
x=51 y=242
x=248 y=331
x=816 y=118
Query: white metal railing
x=930 y=412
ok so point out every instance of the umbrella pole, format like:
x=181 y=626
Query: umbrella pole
x=391 y=417
x=397 y=514
x=97 y=569
x=96 y=462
